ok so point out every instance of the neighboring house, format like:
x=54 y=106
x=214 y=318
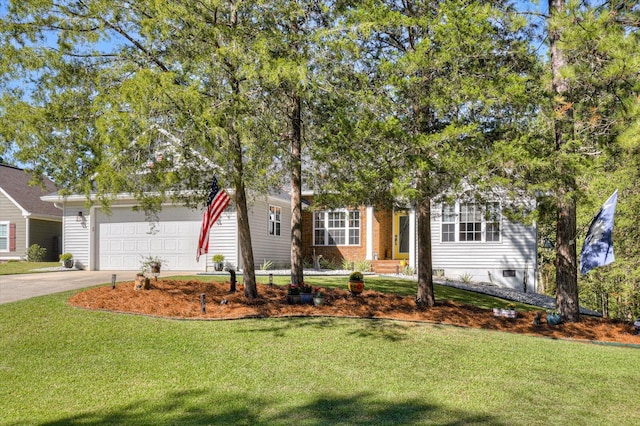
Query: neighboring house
x=119 y=240
x=24 y=218
x=468 y=240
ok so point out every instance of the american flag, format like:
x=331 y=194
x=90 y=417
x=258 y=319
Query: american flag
x=216 y=203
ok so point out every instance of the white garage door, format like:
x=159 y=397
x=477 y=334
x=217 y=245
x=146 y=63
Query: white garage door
x=125 y=237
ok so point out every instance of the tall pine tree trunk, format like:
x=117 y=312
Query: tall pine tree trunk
x=566 y=259
x=297 y=271
x=425 y=297
x=242 y=215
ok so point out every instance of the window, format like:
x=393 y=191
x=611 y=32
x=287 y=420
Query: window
x=467 y=222
x=274 y=220
x=470 y=223
x=492 y=229
x=4 y=236
x=448 y=223
x=336 y=228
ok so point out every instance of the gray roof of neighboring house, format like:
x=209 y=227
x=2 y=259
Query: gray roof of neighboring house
x=15 y=183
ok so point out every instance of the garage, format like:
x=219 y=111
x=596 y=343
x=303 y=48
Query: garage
x=125 y=237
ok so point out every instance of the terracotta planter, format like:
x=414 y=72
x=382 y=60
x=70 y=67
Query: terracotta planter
x=356 y=287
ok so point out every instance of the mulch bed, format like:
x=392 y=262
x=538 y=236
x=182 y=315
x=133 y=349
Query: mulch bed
x=180 y=299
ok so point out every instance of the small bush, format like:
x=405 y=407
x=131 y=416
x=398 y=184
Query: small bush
x=328 y=264
x=35 y=253
x=466 y=278
x=363 y=265
x=66 y=256
x=266 y=265
x=356 y=276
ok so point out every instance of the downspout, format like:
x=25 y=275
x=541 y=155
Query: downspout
x=27 y=233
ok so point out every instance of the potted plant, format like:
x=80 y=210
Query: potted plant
x=318 y=298
x=151 y=264
x=293 y=294
x=218 y=262
x=553 y=318
x=356 y=282
x=67 y=260
x=305 y=294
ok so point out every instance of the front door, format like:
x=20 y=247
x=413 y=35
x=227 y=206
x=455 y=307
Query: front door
x=401 y=234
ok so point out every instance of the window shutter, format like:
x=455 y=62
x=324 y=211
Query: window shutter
x=12 y=237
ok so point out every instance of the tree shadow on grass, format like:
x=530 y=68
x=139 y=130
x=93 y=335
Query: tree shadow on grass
x=392 y=331
x=209 y=407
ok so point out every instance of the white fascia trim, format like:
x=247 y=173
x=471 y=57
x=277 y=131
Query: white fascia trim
x=56 y=198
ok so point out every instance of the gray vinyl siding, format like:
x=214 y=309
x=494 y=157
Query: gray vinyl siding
x=487 y=261
x=76 y=239
x=223 y=239
x=9 y=212
x=47 y=234
x=274 y=248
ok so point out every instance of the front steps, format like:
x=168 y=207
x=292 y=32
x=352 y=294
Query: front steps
x=386 y=267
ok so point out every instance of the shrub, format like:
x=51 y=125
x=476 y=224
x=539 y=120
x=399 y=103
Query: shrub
x=66 y=256
x=363 y=265
x=328 y=264
x=35 y=253
x=466 y=278
x=356 y=276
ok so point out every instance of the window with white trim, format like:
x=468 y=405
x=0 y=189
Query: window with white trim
x=492 y=222
x=468 y=222
x=448 y=222
x=4 y=236
x=336 y=228
x=275 y=213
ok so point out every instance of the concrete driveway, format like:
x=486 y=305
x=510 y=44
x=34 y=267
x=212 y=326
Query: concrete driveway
x=25 y=286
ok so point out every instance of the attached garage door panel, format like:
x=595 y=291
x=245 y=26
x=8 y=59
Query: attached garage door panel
x=125 y=237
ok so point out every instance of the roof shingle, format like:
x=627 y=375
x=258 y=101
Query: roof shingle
x=15 y=182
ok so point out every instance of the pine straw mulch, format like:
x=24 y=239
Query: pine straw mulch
x=181 y=300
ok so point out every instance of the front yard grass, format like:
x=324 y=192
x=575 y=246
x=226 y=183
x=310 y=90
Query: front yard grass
x=23 y=267
x=62 y=365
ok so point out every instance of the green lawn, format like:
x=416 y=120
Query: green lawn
x=21 y=267
x=63 y=365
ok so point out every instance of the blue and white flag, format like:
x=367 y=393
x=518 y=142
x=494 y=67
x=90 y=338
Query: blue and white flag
x=598 y=245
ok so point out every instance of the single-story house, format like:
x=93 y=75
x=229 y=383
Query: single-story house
x=25 y=219
x=121 y=239
x=468 y=240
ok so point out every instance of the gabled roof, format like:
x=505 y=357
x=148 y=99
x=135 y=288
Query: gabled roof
x=14 y=183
